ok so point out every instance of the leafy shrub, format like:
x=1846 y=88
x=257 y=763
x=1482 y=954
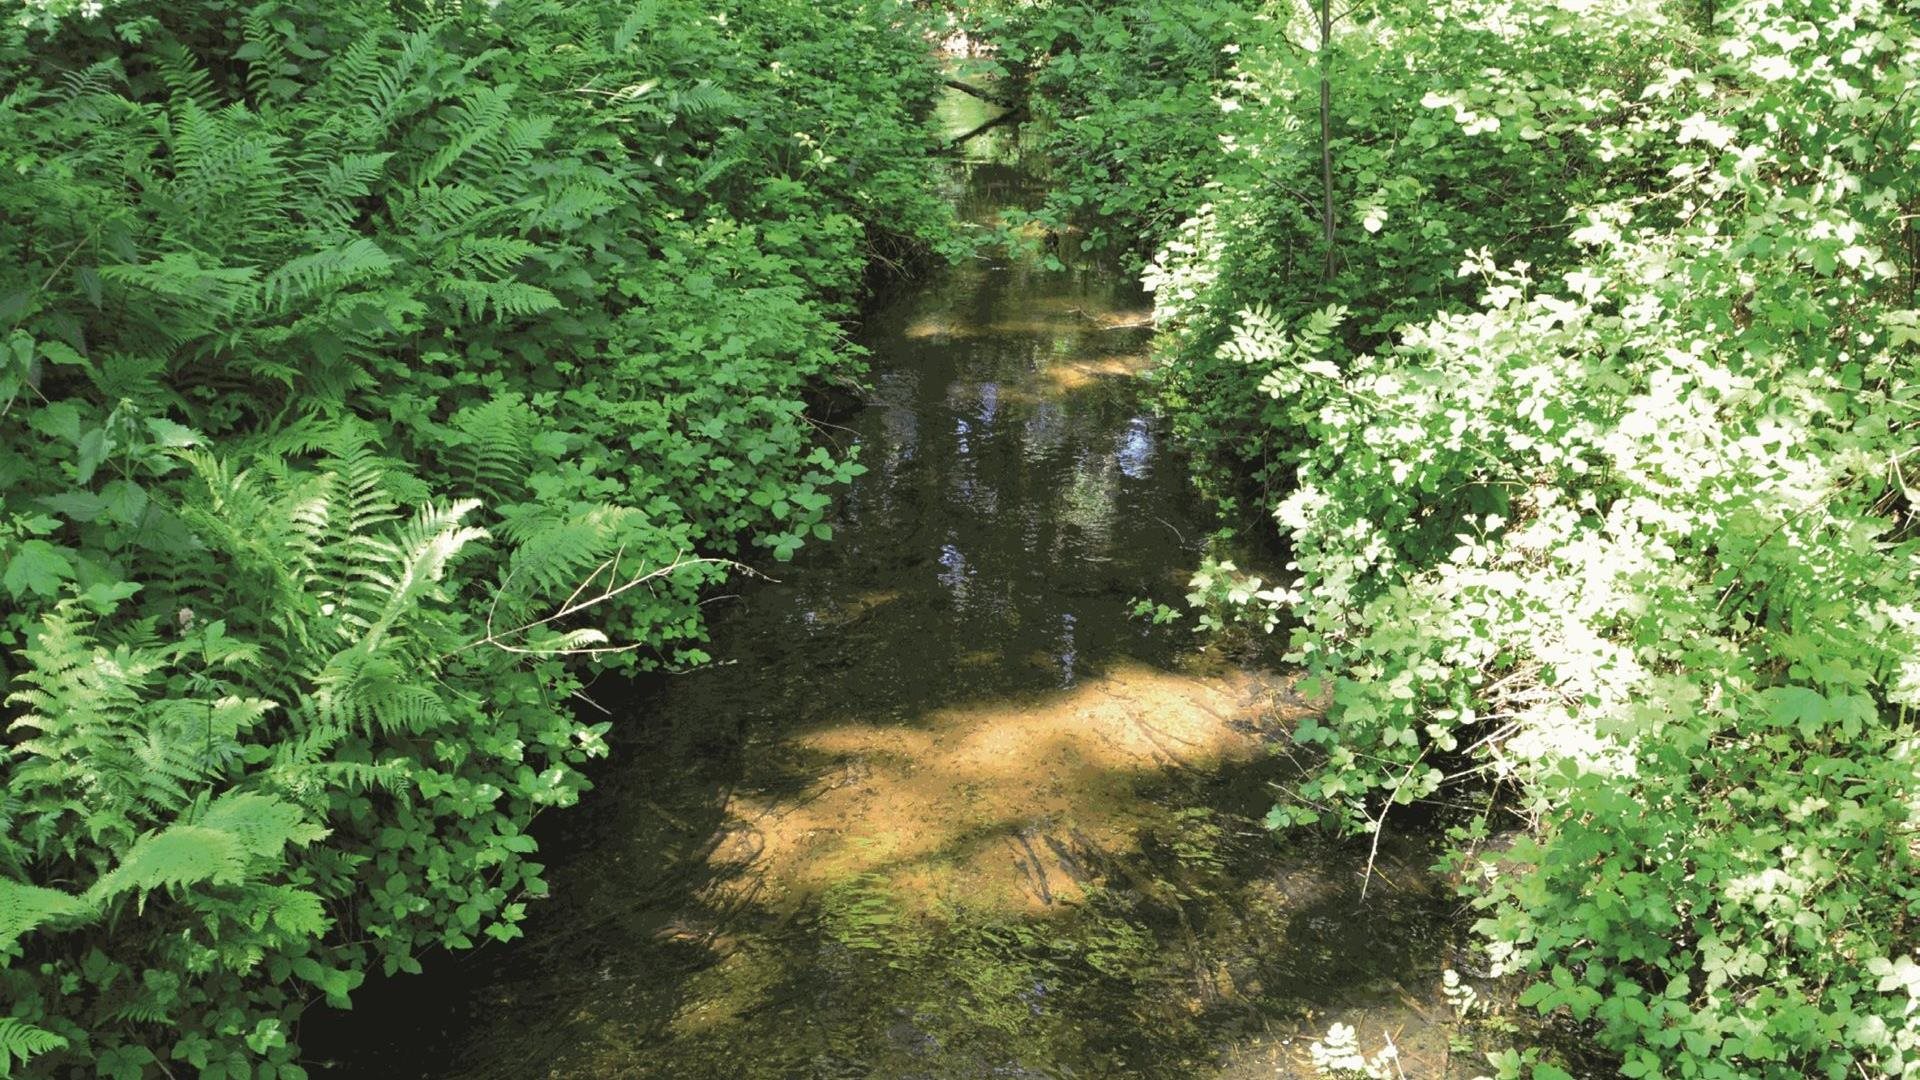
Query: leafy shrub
x=367 y=368
x=1593 y=454
x=1123 y=97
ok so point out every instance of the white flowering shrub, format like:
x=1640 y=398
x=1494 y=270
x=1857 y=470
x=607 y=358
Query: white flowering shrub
x=1621 y=515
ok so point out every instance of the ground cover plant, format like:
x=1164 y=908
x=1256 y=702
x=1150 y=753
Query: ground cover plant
x=370 y=374
x=1588 y=428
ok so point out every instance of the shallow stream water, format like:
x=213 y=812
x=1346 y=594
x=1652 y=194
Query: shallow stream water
x=943 y=809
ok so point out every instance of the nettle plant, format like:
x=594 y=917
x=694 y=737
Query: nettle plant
x=1632 y=533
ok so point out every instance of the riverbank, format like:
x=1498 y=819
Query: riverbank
x=943 y=809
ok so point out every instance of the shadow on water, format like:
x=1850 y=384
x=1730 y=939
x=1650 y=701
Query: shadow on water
x=942 y=809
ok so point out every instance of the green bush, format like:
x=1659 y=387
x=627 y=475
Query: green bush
x=1125 y=117
x=367 y=369
x=1593 y=455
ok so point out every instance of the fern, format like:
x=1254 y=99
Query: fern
x=435 y=211
x=374 y=695
x=329 y=207
x=573 y=205
x=506 y=299
x=295 y=911
x=187 y=80
x=300 y=288
x=479 y=116
x=490 y=447
x=265 y=53
x=20 y=1041
x=98 y=79
x=555 y=553
x=84 y=724
x=24 y=907
x=497 y=256
x=356 y=261
x=262 y=824
x=215 y=292
x=239 y=835
x=638 y=21
x=174 y=856
x=415 y=564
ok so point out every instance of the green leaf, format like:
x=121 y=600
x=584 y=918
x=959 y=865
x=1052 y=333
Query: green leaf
x=171 y=435
x=37 y=567
x=1798 y=707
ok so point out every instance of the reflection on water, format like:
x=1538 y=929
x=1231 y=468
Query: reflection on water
x=944 y=809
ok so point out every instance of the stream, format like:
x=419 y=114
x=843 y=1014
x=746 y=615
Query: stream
x=942 y=808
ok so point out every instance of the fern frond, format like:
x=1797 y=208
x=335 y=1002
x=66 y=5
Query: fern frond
x=492 y=448
x=262 y=824
x=374 y=695
x=355 y=80
x=164 y=772
x=704 y=100
x=146 y=1009
x=425 y=547
x=355 y=261
x=505 y=298
x=98 y=78
x=478 y=116
x=640 y=20
x=295 y=774
x=304 y=751
x=362 y=493
x=497 y=256
x=25 y=907
x=178 y=276
x=239 y=830
x=399 y=79
x=175 y=856
x=574 y=205
x=295 y=911
x=20 y=1041
x=265 y=54
x=330 y=208
x=186 y=80
x=441 y=209
x=552 y=555
x=507 y=158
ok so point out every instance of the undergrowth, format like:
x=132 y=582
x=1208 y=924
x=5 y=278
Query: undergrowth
x=1589 y=436
x=371 y=372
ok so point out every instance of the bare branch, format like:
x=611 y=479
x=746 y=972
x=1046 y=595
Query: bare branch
x=575 y=604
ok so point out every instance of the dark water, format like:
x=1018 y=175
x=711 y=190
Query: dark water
x=942 y=808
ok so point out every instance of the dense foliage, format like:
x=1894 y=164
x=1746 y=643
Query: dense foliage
x=368 y=369
x=1591 y=440
x=1123 y=103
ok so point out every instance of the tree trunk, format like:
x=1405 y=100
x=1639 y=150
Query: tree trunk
x=1326 y=135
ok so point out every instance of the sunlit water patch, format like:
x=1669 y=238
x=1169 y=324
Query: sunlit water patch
x=943 y=809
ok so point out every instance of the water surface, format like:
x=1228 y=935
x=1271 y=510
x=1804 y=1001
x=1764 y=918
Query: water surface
x=942 y=808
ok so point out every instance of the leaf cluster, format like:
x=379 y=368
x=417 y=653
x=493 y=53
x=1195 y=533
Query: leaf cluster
x=1593 y=460
x=367 y=371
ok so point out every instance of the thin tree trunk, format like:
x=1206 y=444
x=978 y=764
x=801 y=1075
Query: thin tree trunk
x=1326 y=135
x=983 y=94
x=1010 y=116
